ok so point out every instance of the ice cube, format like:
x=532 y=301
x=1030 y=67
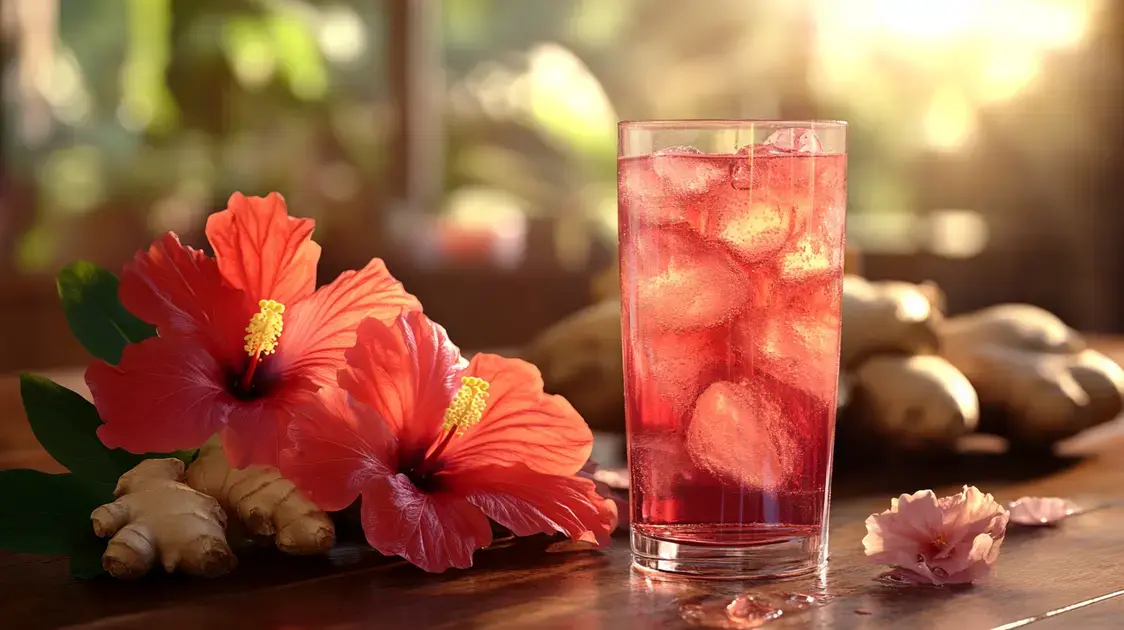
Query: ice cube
x=687 y=171
x=782 y=177
x=809 y=256
x=644 y=196
x=676 y=366
x=658 y=462
x=682 y=282
x=752 y=228
x=741 y=433
x=795 y=339
x=680 y=150
x=814 y=192
x=741 y=170
x=794 y=141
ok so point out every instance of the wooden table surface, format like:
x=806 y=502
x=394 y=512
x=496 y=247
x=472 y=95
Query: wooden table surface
x=1069 y=576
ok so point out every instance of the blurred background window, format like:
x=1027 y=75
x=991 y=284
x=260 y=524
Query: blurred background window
x=472 y=143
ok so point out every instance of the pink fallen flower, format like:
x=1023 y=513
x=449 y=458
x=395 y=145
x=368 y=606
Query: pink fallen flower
x=1040 y=510
x=951 y=540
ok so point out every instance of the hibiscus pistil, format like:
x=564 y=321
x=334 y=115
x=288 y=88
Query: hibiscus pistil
x=264 y=332
x=467 y=406
x=465 y=410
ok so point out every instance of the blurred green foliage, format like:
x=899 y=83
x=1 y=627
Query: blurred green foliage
x=166 y=106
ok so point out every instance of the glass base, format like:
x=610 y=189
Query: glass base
x=792 y=554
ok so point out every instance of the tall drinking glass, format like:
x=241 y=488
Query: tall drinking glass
x=731 y=259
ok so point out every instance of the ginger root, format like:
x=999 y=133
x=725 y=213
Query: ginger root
x=1045 y=397
x=1027 y=364
x=886 y=317
x=1020 y=326
x=919 y=402
x=156 y=515
x=264 y=501
x=1103 y=381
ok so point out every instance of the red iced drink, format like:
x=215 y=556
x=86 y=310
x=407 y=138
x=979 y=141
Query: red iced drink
x=731 y=274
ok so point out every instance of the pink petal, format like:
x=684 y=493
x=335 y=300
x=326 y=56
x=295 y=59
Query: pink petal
x=950 y=540
x=970 y=564
x=528 y=502
x=983 y=554
x=407 y=373
x=970 y=513
x=180 y=290
x=318 y=330
x=166 y=394
x=338 y=445
x=884 y=543
x=262 y=250
x=433 y=531
x=521 y=424
x=919 y=513
x=1039 y=511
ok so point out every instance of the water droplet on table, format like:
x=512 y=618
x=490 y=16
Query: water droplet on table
x=745 y=610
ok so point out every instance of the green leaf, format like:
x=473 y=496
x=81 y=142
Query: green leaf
x=89 y=298
x=46 y=514
x=66 y=426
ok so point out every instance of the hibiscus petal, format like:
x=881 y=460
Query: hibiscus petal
x=433 y=531
x=258 y=430
x=262 y=250
x=529 y=502
x=339 y=444
x=521 y=424
x=318 y=330
x=407 y=372
x=180 y=290
x=167 y=393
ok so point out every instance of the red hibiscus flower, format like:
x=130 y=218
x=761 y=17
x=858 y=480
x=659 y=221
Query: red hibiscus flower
x=437 y=445
x=241 y=336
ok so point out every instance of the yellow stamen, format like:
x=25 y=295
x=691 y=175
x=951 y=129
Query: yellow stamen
x=468 y=405
x=265 y=328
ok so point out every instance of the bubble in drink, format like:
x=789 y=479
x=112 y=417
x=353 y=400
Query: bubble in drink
x=742 y=434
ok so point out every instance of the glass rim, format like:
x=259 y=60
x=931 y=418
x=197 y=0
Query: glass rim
x=730 y=123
